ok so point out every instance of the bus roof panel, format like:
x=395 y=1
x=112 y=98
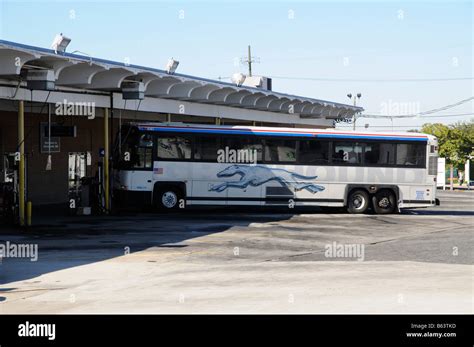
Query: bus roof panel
x=274 y=131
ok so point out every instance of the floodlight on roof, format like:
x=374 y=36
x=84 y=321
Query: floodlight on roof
x=60 y=43
x=238 y=78
x=172 y=66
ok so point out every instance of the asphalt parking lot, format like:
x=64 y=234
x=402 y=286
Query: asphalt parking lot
x=219 y=261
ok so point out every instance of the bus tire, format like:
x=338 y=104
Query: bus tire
x=168 y=198
x=384 y=202
x=358 y=201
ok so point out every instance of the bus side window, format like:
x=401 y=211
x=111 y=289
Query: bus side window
x=173 y=147
x=313 y=152
x=347 y=152
x=410 y=154
x=206 y=147
x=280 y=151
x=379 y=153
x=250 y=145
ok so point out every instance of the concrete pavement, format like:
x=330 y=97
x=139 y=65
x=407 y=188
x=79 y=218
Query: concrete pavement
x=211 y=261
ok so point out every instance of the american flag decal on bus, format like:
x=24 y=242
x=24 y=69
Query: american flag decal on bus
x=158 y=171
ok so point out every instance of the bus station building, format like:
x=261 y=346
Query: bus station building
x=59 y=113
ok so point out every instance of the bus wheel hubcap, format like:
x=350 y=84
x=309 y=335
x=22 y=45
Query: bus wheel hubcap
x=169 y=199
x=358 y=201
x=384 y=202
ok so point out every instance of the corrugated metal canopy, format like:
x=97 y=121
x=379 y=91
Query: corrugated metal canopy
x=84 y=72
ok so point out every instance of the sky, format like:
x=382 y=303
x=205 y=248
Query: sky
x=404 y=57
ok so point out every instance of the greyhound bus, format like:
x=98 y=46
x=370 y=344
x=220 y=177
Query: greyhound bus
x=173 y=165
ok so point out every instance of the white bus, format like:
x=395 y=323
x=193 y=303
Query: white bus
x=173 y=165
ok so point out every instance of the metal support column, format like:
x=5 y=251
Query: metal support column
x=106 y=161
x=21 y=166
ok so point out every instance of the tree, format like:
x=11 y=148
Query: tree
x=455 y=142
x=466 y=138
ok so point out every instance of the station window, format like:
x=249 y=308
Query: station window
x=173 y=147
x=314 y=152
x=347 y=152
x=280 y=151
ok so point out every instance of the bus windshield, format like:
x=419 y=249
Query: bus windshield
x=133 y=149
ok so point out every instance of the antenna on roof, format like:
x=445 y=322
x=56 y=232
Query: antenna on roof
x=249 y=60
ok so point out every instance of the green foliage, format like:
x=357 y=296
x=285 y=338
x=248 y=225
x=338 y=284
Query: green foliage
x=456 y=142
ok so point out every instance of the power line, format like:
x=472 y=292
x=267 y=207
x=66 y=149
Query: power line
x=427 y=114
x=378 y=51
x=318 y=79
x=448 y=106
x=388 y=127
x=363 y=80
x=430 y=116
x=395 y=126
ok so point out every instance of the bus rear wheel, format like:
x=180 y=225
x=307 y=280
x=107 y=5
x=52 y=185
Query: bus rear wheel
x=384 y=202
x=358 y=201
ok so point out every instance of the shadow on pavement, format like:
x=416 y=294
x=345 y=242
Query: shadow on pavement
x=70 y=242
x=438 y=212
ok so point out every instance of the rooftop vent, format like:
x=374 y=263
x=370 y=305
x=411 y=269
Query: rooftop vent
x=258 y=82
x=133 y=91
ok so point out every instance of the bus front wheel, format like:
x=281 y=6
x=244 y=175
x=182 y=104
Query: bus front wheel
x=168 y=198
x=358 y=201
x=384 y=202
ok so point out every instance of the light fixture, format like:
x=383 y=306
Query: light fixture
x=172 y=66
x=238 y=78
x=60 y=43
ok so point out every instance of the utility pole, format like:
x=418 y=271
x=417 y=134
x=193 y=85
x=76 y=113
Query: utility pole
x=249 y=60
x=451 y=176
x=354 y=98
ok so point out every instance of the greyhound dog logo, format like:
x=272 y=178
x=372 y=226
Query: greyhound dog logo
x=257 y=175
